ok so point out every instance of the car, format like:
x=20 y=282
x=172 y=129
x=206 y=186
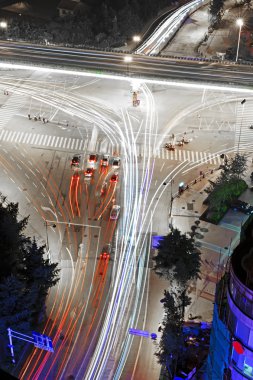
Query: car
x=114 y=178
x=89 y=172
x=169 y=146
x=76 y=161
x=251 y=127
x=116 y=162
x=180 y=143
x=242 y=206
x=105 y=160
x=114 y=214
x=105 y=253
x=93 y=158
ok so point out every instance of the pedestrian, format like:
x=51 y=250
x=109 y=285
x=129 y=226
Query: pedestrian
x=43 y=119
x=39 y=118
x=159 y=327
x=29 y=116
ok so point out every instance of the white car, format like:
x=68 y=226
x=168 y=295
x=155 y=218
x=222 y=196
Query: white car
x=114 y=214
x=105 y=160
x=116 y=162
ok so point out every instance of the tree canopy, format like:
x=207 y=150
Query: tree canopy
x=177 y=259
x=25 y=275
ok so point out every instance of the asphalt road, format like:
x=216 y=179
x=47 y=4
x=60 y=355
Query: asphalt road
x=35 y=161
x=140 y=67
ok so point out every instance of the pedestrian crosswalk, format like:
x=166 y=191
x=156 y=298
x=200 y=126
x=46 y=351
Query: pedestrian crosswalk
x=243 y=132
x=11 y=107
x=41 y=140
x=79 y=145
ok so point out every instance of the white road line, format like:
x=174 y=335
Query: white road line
x=5 y=133
x=13 y=136
x=27 y=176
x=68 y=145
x=29 y=138
x=73 y=142
x=60 y=142
x=12 y=180
x=64 y=143
x=77 y=142
x=8 y=136
x=33 y=138
x=21 y=136
x=34 y=184
x=80 y=145
x=37 y=139
x=56 y=142
x=52 y=142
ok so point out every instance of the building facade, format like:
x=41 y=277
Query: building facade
x=231 y=342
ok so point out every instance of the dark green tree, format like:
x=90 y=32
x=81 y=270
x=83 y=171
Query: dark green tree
x=36 y=270
x=237 y=166
x=16 y=307
x=177 y=259
x=12 y=238
x=216 y=11
x=170 y=349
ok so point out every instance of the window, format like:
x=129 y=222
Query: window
x=247 y=368
x=242 y=332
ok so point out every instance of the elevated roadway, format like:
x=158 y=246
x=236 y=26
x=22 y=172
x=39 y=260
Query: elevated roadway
x=140 y=67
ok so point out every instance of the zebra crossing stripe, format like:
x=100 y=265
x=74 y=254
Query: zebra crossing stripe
x=20 y=136
x=80 y=145
x=14 y=135
x=49 y=139
x=5 y=133
x=61 y=138
x=73 y=143
x=68 y=145
x=25 y=137
x=64 y=143
x=8 y=135
x=52 y=142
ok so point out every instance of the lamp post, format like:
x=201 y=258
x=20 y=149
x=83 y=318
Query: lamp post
x=128 y=59
x=46 y=224
x=239 y=22
x=4 y=26
x=240 y=131
x=136 y=38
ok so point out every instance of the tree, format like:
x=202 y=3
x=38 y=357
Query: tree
x=237 y=166
x=171 y=345
x=15 y=311
x=216 y=10
x=37 y=271
x=177 y=259
x=12 y=237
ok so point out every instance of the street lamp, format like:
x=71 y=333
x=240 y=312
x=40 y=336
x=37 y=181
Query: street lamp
x=136 y=38
x=240 y=131
x=239 y=22
x=4 y=26
x=46 y=224
x=128 y=59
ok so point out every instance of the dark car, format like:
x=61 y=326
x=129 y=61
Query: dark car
x=76 y=161
x=241 y=206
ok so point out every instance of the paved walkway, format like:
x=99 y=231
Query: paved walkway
x=189 y=39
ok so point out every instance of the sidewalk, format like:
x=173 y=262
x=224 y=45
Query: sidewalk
x=189 y=40
x=216 y=243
